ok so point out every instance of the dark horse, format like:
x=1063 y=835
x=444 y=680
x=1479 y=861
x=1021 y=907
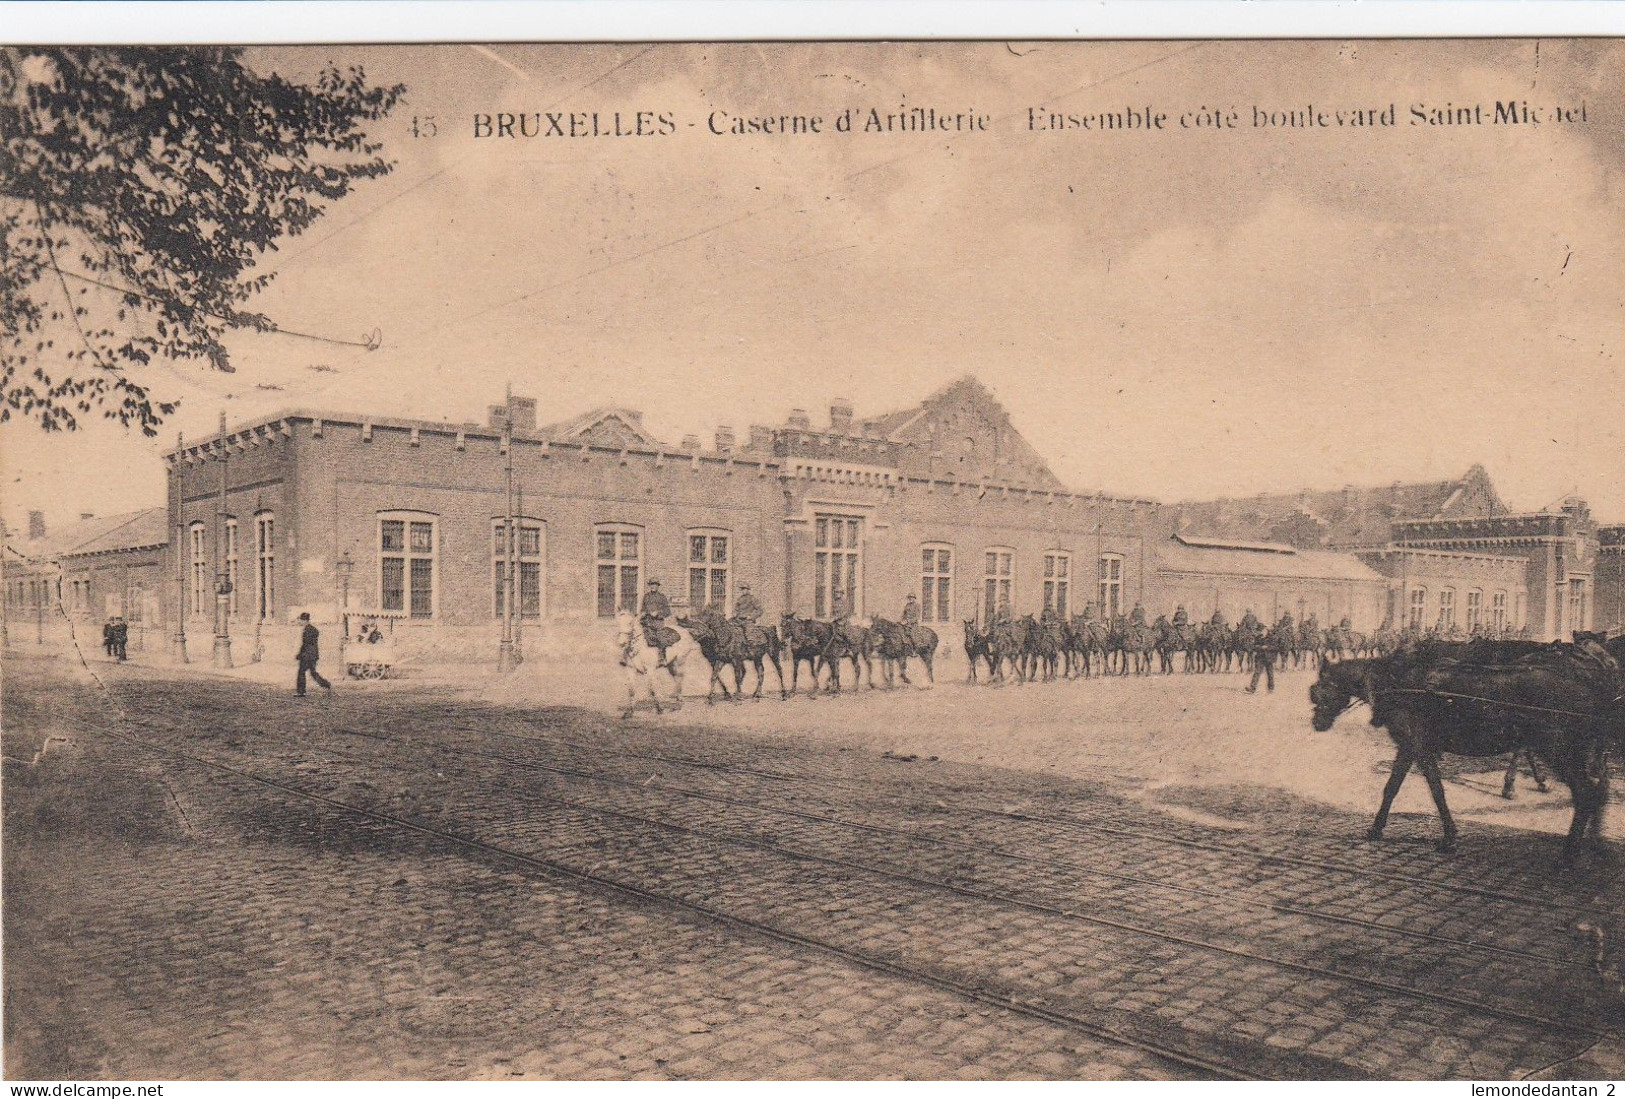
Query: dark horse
x=895 y=643
x=806 y=638
x=1084 y=639
x=727 y=643
x=998 y=645
x=1562 y=705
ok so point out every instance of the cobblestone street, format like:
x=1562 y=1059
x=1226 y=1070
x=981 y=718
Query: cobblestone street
x=208 y=879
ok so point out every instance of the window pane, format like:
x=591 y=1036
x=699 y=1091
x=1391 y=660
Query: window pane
x=530 y=589
x=606 y=546
x=696 y=547
x=928 y=561
x=393 y=535
x=719 y=588
x=629 y=547
x=837 y=533
x=944 y=607
x=696 y=589
x=820 y=584
x=422 y=537
x=1063 y=566
x=1049 y=565
x=606 y=590
x=719 y=551
x=394 y=574
x=530 y=542
x=629 y=587
x=422 y=588
x=823 y=532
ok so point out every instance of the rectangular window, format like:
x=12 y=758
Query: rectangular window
x=1057 y=582
x=1419 y=599
x=231 y=566
x=199 y=543
x=936 y=584
x=620 y=565
x=708 y=572
x=1578 y=605
x=406 y=573
x=998 y=580
x=1447 y=608
x=1475 y=609
x=837 y=568
x=1111 y=586
x=527 y=536
x=1498 y=610
x=265 y=566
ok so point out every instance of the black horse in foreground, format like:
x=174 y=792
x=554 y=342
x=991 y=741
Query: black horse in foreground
x=729 y=644
x=1562 y=703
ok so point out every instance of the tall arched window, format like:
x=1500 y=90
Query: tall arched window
x=619 y=558
x=198 y=571
x=265 y=565
x=231 y=566
x=937 y=582
x=710 y=556
x=1111 y=585
x=530 y=559
x=1058 y=582
x=407 y=545
x=998 y=579
x=1475 y=609
x=1447 y=608
x=837 y=565
x=1419 y=602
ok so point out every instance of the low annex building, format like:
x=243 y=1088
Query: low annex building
x=401 y=522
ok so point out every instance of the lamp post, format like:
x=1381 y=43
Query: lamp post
x=508 y=657
x=345 y=564
x=222 y=580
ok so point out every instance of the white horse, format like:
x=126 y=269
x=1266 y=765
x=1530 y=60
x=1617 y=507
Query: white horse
x=641 y=665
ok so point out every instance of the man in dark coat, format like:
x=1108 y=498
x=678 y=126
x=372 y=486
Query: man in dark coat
x=1269 y=649
x=653 y=612
x=309 y=653
x=747 y=608
x=121 y=638
x=107 y=636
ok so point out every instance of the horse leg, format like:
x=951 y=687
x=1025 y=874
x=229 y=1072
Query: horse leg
x=930 y=660
x=1430 y=771
x=1511 y=779
x=1401 y=768
x=778 y=670
x=1534 y=769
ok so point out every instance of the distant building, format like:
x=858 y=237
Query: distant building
x=92 y=569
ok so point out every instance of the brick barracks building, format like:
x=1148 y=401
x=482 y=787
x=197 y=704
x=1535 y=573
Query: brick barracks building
x=404 y=520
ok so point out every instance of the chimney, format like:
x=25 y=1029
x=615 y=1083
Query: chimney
x=498 y=417
x=800 y=420
x=761 y=438
x=725 y=438
x=840 y=416
x=522 y=411
x=36 y=525
x=691 y=442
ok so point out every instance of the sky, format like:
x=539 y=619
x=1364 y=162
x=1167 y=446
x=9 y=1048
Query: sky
x=1179 y=313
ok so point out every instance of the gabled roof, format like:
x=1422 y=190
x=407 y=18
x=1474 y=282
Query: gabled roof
x=1007 y=458
x=610 y=424
x=129 y=530
x=1342 y=518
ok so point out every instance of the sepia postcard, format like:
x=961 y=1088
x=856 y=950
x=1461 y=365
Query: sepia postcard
x=795 y=560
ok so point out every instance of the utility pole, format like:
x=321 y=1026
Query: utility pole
x=222 y=582
x=177 y=639
x=507 y=653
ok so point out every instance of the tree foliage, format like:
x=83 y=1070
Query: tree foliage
x=138 y=187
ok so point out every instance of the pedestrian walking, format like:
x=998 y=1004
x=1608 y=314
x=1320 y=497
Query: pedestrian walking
x=309 y=653
x=121 y=639
x=1270 y=647
x=107 y=637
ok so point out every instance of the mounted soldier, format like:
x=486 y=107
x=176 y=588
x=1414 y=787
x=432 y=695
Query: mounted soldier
x=910 y=618
x=1182 y=617
x=1249 y=621
x=747 y=608
x=1136 y=617
x=653 y=612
